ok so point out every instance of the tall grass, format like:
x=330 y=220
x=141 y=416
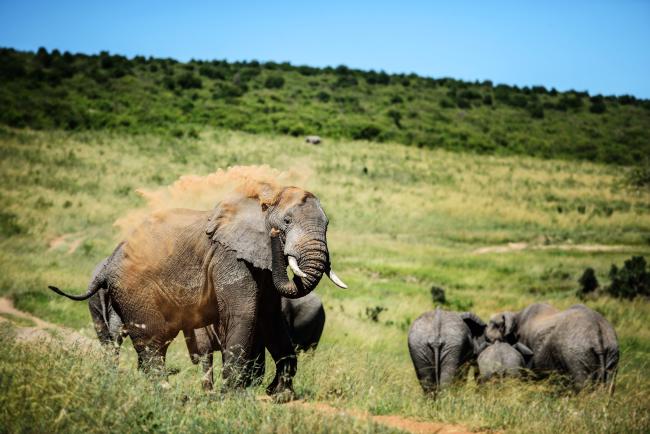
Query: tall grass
x=402 y=219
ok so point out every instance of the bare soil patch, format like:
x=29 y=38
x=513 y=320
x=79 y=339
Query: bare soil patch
x=72 y=241
x=42 y=330
x=392 y=421
x=516 y=247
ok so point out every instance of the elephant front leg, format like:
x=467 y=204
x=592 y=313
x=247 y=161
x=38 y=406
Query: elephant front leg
x=278 y=342
x=237 y=355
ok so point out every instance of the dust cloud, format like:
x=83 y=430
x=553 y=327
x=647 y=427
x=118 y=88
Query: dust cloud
x=205 y=192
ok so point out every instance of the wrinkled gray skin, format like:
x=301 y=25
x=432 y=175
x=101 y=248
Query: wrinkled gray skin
x=107 y=323
x=305 y=318
x=577 y=342
x=441 y=343
x=185 y=269
x=501 y=359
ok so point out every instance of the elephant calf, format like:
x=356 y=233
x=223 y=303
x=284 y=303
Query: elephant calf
x=440 y=343
x=501 y=359
x=305 y=318
x=577 y=342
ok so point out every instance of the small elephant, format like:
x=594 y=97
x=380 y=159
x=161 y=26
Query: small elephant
x=501 y=359
x=440 y=343
x=577 y=342
x=305 y=318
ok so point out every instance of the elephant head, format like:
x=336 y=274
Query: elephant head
x=287 y=230
x=502 y=328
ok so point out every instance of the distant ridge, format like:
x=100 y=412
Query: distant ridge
x=54 y=90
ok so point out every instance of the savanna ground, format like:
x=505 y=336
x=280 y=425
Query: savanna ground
x=496 y=232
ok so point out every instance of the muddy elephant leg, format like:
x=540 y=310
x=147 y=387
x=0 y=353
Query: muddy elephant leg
x=207 y=363
x=151 y=359
x=152 y=351
x=278 y=342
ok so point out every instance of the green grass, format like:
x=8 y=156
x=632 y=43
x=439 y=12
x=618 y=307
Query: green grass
x=46 y=90
x=414 y=217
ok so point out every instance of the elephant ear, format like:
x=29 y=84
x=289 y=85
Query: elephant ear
x=475 y=324
x=239 y=224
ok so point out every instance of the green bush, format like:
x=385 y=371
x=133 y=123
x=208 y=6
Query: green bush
x=274 y=82
x=631 y=280
x=438 y=295
x=597 y=105
x=536 y=111
x=372 y=313
x=9 y=224
x=396 y=116
x=323 y=96
x=188 y=80
x=639 y=176
x=227 y=90
x=588 y=282
x=366 y=132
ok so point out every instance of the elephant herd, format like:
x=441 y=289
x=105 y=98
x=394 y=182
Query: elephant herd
x=221 y=278
x=577 y=343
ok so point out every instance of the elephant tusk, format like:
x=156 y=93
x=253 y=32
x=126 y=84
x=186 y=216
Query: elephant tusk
x=334 y=278
x=295 y=268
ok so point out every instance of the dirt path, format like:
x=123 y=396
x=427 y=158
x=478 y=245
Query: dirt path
x=43 y=330
x=71 y=241
x=516 y=247
x=392 y=421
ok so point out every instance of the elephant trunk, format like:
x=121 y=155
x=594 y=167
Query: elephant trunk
x=312 y=262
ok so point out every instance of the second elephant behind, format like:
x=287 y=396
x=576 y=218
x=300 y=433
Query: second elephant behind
x=305 y=318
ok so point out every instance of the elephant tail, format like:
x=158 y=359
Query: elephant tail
x=436 y=347
x=602 y=368
x=95 y=285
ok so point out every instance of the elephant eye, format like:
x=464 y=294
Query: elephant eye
x=287 y=220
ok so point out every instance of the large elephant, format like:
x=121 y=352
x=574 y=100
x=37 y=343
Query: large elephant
x=501 y=359
x=577 y=342
x=185 y=269
x=305 y=318
x=440 y=343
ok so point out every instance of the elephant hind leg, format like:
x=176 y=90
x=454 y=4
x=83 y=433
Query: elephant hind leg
x=152 y=352
x=207 y=363
x=424 y=369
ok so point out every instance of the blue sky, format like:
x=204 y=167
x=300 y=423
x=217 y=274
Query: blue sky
x=598 y=46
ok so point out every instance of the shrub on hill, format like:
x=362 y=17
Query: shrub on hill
x=631 y=280
x=274 y=82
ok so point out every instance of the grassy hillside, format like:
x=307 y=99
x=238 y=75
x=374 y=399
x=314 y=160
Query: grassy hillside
x=46 y=90
x=496 y=232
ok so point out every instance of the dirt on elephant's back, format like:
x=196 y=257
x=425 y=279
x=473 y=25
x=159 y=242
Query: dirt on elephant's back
x=392 y=421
